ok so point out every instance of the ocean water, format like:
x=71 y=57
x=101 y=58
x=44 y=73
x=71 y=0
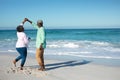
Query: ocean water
x=80 y=43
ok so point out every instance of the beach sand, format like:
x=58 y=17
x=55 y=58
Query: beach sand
x=55 y=70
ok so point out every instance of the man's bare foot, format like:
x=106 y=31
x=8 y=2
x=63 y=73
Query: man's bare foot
x=14 y=62
x=41 y=69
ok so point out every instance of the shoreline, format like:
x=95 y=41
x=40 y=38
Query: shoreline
x=79 y=70
x=96 y=61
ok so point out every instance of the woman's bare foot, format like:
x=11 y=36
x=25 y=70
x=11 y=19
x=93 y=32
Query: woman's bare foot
x=21 y=68
x=14 y=62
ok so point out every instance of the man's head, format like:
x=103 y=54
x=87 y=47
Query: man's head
x=20 y=28
x=40 y=23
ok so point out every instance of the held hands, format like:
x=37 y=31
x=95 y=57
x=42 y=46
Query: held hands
x=24 y=20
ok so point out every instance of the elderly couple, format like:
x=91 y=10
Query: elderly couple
x=22 y=42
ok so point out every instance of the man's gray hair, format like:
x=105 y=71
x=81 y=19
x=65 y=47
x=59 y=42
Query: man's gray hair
x=39 y=21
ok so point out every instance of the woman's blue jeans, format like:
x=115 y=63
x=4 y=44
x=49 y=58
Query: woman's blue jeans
x=23 y=54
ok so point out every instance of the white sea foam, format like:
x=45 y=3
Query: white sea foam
x=113 y=49
x=11 y=50
x=77 y=44
x=63 y=45
x=91 y=49
x=84 y=56
x=100 y=43
x=53 y=46
x=71 y=45
x=104 y=57
x=95 y=43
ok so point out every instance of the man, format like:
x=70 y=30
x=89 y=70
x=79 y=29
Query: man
x=40 y=42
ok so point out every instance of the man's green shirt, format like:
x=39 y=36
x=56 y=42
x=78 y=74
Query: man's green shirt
x=41 y=36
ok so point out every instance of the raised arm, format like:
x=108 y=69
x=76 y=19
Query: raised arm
x=26 y=19
x=33 y=24
x=23 y=21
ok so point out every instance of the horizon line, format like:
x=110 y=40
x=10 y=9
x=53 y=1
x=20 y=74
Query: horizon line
x=60 y=28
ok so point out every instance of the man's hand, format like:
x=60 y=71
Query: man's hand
x=41 y=47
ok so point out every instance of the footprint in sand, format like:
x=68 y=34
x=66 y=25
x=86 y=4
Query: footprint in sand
x=27 y=71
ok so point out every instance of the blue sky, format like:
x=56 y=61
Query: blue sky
x=61 y=13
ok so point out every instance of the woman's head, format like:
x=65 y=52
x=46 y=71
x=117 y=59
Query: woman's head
x=20 y=28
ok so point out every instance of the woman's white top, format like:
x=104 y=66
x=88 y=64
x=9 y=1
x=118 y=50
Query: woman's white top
x=22 y=40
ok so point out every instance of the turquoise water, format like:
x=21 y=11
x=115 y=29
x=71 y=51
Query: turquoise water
x=80 y=43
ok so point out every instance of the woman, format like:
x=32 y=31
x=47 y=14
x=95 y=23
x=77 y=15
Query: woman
x=21 y=45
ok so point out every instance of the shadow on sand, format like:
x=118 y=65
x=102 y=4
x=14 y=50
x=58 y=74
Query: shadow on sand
x=63 y=64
